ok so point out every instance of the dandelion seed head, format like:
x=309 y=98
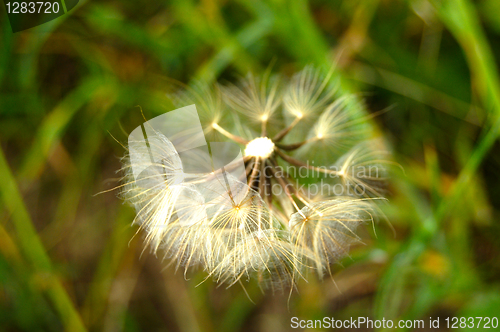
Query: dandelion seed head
x=209 y=208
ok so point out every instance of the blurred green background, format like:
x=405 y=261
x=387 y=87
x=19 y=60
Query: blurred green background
x=69 y=260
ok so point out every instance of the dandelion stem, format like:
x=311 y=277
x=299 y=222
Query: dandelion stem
x=296 y=192
x=262 y=178
x=295 y=146
x=285 y=131
x=285 y=186
x=229 y=135
x=249 y=166
x=261 y=190
x=264 y=128
x=253 y=174
x=269 y=189
x=301 y=197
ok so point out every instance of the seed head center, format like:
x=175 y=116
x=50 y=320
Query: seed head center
x=261 y=147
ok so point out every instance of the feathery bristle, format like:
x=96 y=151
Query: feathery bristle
x=255 y=97
x=327 y=228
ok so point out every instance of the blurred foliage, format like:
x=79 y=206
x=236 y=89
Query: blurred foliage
x=67 y=261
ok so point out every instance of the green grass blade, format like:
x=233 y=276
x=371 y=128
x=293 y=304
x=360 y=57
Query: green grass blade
x=33 y=248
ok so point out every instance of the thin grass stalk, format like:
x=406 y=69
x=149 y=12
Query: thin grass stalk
x=34 y=251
